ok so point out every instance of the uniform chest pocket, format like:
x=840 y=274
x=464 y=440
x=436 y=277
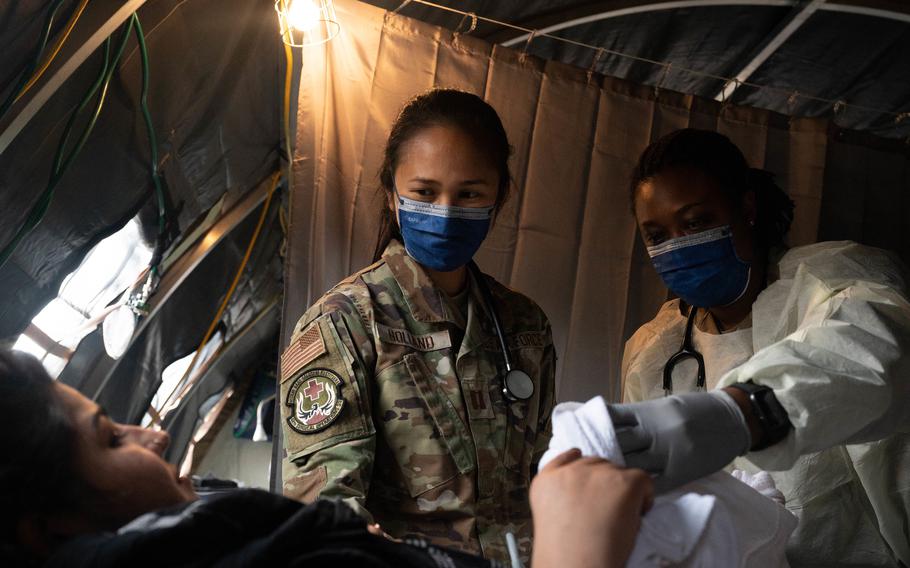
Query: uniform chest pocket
x=421 y=426
x=522 y=416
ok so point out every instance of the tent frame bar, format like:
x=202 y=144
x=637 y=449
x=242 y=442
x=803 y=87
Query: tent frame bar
x=852 y=8
x=785 y=31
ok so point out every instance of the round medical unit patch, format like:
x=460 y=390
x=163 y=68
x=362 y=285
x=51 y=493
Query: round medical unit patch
x=315 y=400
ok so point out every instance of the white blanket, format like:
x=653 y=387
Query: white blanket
x=718 y=520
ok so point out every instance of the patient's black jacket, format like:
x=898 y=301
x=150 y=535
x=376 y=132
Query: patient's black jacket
x=250 y=527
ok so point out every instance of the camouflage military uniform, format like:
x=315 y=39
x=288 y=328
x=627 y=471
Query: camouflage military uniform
x=393 y=402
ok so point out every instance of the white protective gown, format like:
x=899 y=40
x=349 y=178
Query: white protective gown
x=831 y=336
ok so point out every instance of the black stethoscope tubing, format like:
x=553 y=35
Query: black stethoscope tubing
x=686 y=351
x=517 y=385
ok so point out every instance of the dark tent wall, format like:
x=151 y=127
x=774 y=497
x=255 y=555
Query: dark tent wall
x=566 y=238
x=129 y=386
x=867 y=192
x=217 y=73
x=215 y=100
x=188 y=298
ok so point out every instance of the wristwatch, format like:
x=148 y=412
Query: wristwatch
x=771 y=416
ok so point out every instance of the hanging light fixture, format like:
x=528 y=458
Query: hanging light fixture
x=306 y=22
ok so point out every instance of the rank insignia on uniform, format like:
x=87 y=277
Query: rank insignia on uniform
x=315 y=400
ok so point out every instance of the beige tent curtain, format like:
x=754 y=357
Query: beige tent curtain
x=566 y=237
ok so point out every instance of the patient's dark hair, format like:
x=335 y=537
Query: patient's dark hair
x=717 y=157
x=448 y=107
x=37 y=445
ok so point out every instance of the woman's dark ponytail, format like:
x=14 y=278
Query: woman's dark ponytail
x=448 y=107
x=774 y=209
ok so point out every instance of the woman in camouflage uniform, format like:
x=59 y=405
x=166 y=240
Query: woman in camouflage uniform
x=392 y=385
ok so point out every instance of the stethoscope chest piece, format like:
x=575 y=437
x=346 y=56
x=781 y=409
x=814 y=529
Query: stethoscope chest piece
x=517 y=386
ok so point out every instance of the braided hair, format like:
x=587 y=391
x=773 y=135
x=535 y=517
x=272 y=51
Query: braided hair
x=715 y=156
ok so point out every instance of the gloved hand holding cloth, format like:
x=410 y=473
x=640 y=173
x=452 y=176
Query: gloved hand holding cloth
x=681 y=438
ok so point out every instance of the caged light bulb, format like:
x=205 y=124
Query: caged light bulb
x=303 y=15
x=306 y=22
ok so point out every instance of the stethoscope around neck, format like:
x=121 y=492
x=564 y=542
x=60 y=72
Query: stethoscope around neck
x=517 y=386
x=686 y=351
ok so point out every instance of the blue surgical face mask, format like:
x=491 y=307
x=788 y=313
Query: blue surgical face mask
x=442 y=237
x=702 y=269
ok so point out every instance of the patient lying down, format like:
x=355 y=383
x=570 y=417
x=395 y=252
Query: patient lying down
x=77 y=489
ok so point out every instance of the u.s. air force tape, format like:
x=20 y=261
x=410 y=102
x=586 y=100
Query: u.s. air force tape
x=315 y=400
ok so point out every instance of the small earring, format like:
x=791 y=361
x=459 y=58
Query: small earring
x=752 y=222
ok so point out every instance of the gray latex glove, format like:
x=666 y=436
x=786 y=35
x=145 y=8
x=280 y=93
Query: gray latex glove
x=681 y=438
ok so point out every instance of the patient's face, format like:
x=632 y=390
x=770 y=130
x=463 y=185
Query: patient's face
x=128 y=478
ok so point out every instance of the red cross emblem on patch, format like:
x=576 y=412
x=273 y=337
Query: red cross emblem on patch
x=313 y=389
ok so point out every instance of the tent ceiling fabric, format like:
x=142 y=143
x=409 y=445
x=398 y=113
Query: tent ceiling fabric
x=836 y=54
x=214 y=100
x=566 y=238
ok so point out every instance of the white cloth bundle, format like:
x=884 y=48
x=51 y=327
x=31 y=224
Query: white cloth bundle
x=719 y=520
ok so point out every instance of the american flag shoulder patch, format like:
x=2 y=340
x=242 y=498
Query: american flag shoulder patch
x=302 y=350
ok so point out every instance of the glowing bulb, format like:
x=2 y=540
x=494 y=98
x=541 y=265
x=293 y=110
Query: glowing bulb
x=306 y=22
x=303 y=15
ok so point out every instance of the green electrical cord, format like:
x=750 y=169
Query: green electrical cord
x=60 y=168
x=26 y=73
x=93 y=90
x=61 y=164
x=153 y=146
